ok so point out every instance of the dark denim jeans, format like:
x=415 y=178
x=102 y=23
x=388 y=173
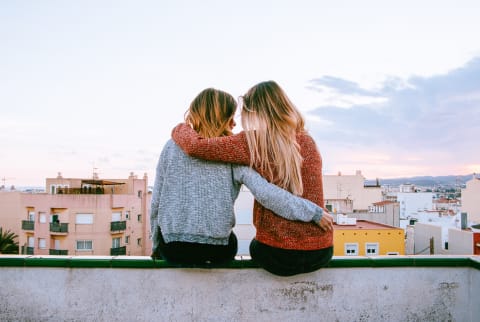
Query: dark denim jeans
x=288 y=262
x=196 y=253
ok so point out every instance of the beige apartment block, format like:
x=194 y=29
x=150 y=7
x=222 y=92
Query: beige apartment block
x=81 y=217
x=348 y=193
x=471 y=199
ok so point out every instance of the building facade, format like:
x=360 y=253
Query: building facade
x=82 y=217
x=348 y=193
x=366 y=238
x=471 y=199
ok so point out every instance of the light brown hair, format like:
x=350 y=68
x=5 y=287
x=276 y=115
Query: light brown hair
x=210 y=113
x=271 y=123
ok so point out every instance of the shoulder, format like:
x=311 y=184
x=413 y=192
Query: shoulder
x=308 y=146
x=305 y=140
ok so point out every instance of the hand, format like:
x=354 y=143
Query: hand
x=326 y=222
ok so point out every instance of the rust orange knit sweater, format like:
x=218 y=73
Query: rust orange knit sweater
x=271 y=229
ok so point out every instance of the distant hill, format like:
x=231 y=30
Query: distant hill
x=425 y=181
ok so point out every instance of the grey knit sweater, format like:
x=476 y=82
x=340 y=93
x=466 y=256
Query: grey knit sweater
x=193 y=199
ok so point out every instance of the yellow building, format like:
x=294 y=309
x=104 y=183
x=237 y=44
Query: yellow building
x=367 y=238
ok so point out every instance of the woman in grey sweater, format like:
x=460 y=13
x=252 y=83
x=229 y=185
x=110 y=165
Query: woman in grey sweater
x=192 y=209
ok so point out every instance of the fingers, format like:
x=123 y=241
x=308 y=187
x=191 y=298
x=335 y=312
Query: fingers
x=326 y=223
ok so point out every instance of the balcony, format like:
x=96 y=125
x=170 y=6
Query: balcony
x=58 y=229
x=58 y=252
x=27 y=250
x=118 y=251
x=384 y=288
x=81 y=191
x=28 y=225
x=118 y=226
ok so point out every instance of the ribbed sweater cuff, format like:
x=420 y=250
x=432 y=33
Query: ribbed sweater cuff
x=318 y=215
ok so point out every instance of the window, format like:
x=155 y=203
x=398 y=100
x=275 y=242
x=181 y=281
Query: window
x=127 y=239
x=127 y=215
x=371 y=249
x=116 y=216
x=84 y=245
x=84 y=219
x=139 y=218
x=139 y=241
x=56 y=242
x=42 y=243
x=351 y=249
x=116 y=242
x=31 y=241
x=31 y=215
x=43 y=218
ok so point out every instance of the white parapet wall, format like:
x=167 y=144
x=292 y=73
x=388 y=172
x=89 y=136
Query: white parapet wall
x=381 y=289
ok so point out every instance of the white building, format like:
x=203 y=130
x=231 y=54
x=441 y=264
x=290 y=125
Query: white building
x=471 y=199
x=412 y=204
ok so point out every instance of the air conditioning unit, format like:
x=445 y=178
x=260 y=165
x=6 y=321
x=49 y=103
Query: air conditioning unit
x=345 y=220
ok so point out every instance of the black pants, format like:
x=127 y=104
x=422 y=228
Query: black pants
x=196 y=253
x=288 y=262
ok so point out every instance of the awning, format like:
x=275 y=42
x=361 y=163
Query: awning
x=102 y=182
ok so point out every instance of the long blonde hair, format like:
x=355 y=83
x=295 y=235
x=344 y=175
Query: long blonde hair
x=211 y=112
x=271 y=123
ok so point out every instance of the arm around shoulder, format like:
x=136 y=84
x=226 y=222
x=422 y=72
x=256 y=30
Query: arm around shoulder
x=231 y=149
x=278 y=200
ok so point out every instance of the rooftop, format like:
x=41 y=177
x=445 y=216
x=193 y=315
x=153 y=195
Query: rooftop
x=365 y=224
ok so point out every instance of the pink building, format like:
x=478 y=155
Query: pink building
x=81 y=217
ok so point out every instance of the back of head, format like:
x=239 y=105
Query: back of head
x=272 y=122
x=210 y=113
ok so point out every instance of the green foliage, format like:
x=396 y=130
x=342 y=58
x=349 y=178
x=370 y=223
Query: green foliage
x=8 y=245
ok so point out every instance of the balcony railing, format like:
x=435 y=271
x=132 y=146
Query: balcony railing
x=118 y=225
x=27 y=250
x=58 y=252
x=59 y=228
x=118 y=251
x=81 y=191
x=28 y=225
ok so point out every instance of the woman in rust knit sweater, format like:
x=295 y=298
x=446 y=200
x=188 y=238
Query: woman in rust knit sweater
x=276 y=144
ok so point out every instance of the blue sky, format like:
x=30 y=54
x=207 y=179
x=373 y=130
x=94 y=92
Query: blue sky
x=389 y=88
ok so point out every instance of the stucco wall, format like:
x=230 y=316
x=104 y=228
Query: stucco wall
x=239 y=294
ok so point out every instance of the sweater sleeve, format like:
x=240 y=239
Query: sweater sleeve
x=231 y=149
x=278 y=200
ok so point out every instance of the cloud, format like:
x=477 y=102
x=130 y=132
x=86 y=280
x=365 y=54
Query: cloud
x=429 y=117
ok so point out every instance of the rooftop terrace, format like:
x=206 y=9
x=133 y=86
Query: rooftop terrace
x=125 y=288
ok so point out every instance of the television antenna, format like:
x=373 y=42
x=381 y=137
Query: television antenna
x=4 y=180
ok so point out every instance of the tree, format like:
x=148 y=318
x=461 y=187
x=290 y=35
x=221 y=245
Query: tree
x=8 y=245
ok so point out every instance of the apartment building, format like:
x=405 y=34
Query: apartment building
x=367 y=238
x=81 y=217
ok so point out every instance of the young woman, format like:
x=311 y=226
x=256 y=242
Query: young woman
x=192 y=209
x=276 y=144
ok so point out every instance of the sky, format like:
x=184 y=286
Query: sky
x=391 y=88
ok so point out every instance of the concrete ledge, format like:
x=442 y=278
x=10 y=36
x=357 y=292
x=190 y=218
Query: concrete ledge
x=123 y=288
